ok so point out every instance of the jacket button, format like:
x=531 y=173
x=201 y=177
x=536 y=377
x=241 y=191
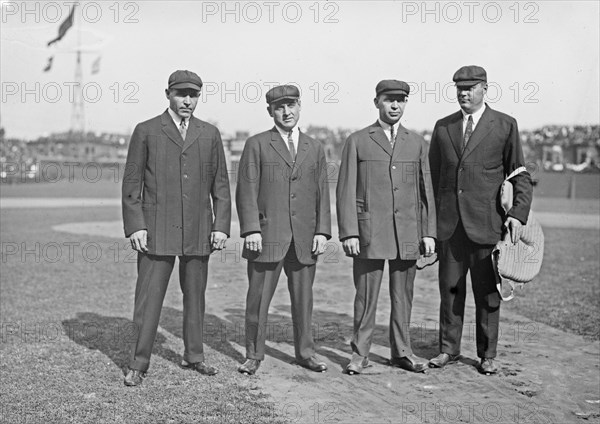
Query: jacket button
x=461 y=169
x=293 y=213
x=293 y=196
x=394 y=167
x=185 y=176
x=460 y=191
x=395 y=188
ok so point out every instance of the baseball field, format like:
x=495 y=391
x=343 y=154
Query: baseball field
x=67 y=286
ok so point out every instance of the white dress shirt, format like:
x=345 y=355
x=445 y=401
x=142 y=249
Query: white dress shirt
x=476 y=117
x=285 y=135
x=387 y=129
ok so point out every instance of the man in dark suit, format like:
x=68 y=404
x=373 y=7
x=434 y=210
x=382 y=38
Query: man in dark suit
x=385 y=210
x=471 y=153
x=282 y=200
x=175 y=168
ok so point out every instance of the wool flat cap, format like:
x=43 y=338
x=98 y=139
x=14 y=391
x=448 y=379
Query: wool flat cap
x=185 y=79
x=282 y=92
x=469 y=75
x=392 y=87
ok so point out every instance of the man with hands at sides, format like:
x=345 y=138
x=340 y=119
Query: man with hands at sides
x=176 y=203
x=282 y=199
x=385 y=210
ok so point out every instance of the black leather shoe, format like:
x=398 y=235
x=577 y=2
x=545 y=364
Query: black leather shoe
x=357 y=363
x=410 y=363
x=249 y=367
x=134 y=377
x=442 y=360
x=487 y=366
x=312 y=364
x=201 y=367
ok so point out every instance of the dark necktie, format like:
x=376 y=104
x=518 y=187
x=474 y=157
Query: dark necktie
x=392 y=137
x=291 y=146
x=468 y=132
x=182 y=129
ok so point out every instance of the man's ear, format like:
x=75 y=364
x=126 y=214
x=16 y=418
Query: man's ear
x=299 y=104
x=167 y=92
x=269 y=110
x=376 y=102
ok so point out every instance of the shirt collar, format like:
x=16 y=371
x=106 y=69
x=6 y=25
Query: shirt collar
x=285 y=133
x=386 y=126
x=476 y=115
x=176 y=118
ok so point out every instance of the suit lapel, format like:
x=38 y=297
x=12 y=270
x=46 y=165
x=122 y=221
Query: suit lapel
x=401 y=141
x=482 y=129
x=302 y=150
x=455 y=132
x=170 y=130
x=280 y=147
x=378 y=136
x=193 y=132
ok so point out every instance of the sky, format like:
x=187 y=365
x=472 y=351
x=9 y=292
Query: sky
x=542 y=60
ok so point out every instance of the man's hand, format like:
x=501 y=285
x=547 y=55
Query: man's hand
x=319 y=242
x=139 y=241
x=513 y=225
x=351 y=246
x=253 y=242
x=428 y=246
x=217 y=240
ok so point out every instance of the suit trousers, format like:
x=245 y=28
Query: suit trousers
x=153 y=278
x=263 y=278
x=458 y=256
x=367 y=281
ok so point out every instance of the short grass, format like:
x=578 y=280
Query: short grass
x=566 y=293
x=65 y=321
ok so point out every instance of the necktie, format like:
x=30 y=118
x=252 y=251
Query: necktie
x=291 y=146
x=392 y=136
x=468 y=132
x=182 y=128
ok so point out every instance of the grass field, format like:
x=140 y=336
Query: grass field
x=66 y=303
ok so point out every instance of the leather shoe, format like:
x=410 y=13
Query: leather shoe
x=134 y=377
x=410 y=363
x=201 y=367
x=442 y=360
x=357 y=363
x=487 y=366
x=312 y=364
x=249 y=367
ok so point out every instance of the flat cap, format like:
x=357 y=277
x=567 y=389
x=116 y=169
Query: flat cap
x=185 y=79
x=469 y=75
x=392 y=87
x=282 y=92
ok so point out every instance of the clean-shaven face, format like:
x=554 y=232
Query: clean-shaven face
x=391 y=107
x=285 y=113
x=183 y=101
x=470 y=98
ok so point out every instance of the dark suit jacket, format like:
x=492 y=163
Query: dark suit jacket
x=169 y=184
x=383 y=197
x=467 y=185
x=281 y=199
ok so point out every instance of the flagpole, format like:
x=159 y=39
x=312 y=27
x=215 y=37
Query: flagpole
x=77 y=114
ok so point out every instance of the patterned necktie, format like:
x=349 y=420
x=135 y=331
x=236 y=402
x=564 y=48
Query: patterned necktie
x=182 y=129
x=291 y=146
x=392 y=137
x=468 y=132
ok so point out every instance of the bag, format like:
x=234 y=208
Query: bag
x=516 y=264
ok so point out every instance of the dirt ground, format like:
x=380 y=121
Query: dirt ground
x=545 y=376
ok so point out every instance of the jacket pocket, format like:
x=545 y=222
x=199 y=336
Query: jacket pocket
x=364 y=228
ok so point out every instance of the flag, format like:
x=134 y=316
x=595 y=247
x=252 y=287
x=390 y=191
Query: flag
x=64 y=27
x=96 y=65
x=49 y=64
